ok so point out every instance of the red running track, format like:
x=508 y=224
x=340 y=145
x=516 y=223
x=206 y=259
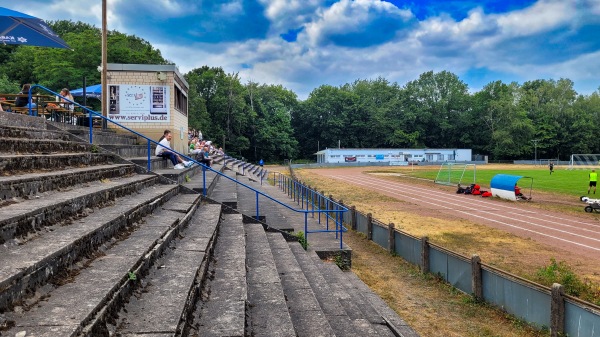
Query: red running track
x=580 y=235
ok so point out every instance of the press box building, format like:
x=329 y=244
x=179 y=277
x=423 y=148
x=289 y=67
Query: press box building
x=149 y=98
x=393 y=156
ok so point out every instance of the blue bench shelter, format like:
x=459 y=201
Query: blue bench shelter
x=503 y=186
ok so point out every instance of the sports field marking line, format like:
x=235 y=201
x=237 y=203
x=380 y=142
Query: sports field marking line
x=485 y=203
x=408 y=191
x=514 y=226
x=517 y=227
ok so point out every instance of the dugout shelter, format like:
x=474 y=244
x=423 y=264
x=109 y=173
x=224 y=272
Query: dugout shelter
x=503 y=186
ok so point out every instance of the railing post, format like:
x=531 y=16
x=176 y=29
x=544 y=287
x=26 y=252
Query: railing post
x=319 y=205
x=353 y=224
x=557 y=311
x=203 y=181
x=476 y=278
x=339 y=218
x=391 y=238
x=424 y=255
x=91 y=127
x=369 y=227
x=149 y=163
x=257 y=214
x=306 y=229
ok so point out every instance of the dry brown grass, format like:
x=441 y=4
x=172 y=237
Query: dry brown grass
x=431 y=307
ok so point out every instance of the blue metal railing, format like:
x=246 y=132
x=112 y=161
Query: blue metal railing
x=337 y=209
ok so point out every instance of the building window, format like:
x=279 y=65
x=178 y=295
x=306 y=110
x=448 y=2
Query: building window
x=181 y=101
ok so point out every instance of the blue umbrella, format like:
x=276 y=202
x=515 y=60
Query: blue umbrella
x=94 y=91
x=22 y=29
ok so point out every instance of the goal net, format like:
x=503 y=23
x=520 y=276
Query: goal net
x=453 y=174
x=584 y=161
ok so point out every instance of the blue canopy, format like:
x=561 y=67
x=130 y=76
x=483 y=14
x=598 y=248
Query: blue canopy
x=94 y=91
x=22 y=29
x=504 y=182
x=503 y=186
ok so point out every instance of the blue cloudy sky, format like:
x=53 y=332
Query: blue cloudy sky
x=302 y=44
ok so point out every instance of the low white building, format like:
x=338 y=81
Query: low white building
x=393 y=156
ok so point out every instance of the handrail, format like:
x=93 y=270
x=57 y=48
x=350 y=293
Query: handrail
x=337 y=212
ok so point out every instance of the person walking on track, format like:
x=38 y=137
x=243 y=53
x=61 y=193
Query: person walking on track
x=593 y=181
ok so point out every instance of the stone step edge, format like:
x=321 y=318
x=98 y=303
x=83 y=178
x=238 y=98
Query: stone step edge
x=41 y=266
x=126 y=287
x=59 y=179
x=14 y=224
x=197 y=222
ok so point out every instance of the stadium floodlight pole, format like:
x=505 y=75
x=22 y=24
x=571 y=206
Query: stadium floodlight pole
x=535 y=142
x=104 y=63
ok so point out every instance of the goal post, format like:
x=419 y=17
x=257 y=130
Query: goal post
x=453 y=174
x=584 y=161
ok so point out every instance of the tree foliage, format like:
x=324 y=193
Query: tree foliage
x=253 y=120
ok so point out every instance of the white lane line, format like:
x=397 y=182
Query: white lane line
x=507 y=224
x=484 y=202
x=458 y=202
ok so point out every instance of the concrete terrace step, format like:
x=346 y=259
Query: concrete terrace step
x=20 y=219
x=225 y=192
x=324 y=243
x=129 y=151
x=29 y=133
x=196 y=181
x=15 y=164
x=22 y=121
x=272 y=212
x=223 y=309
x=106 y=137
x=268 y=314
x=394 y=321
x=99 y=289
x=353 y=301
x=307 y=316
x=183 y=175
x=162 y=305
x=29 y=185
x=28 y=266
x=47 y=146
x=157 y=163
x=340 y=321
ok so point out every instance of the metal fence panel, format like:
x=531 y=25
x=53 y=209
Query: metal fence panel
x=380 y=235
x=361 y=223
x=455 y=271
x=523 y=301
x=581 y=321
x=408 y=248
x=347 y=218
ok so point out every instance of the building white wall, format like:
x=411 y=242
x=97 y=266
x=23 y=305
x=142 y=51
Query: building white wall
x=393 y=156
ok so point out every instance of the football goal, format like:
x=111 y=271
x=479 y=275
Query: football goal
x=453 y=174
x=584 y=161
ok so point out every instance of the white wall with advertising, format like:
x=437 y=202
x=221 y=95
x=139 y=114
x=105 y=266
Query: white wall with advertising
x=139 y=103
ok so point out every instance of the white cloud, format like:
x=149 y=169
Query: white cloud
x=231 y=8
x=289 y=14
x=520 y=44
x=348 y=16
x=543 y=16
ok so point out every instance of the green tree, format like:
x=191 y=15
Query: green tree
x=271 y=132
x=440 y=101
x=58 y=68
